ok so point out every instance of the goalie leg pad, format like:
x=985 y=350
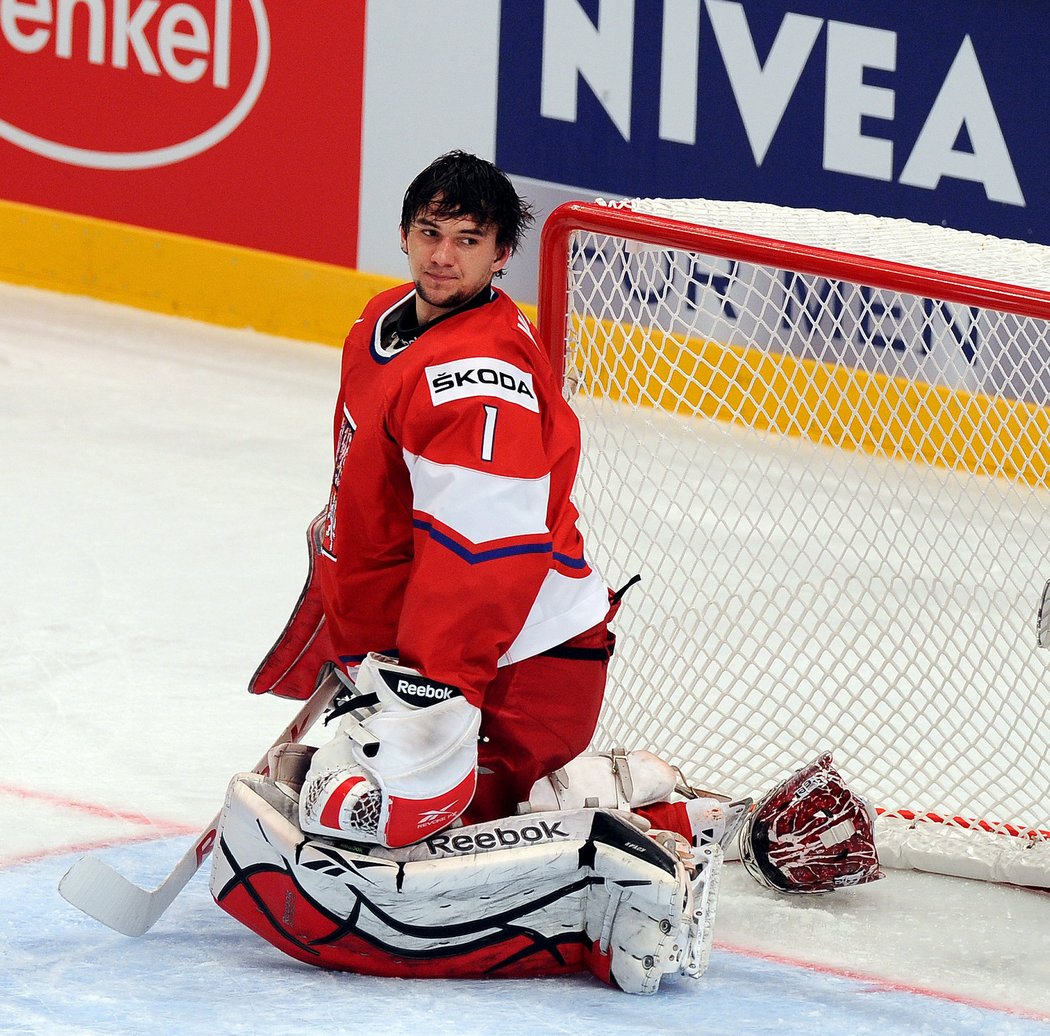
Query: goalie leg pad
x=404 y=770
x=705 y=819
x=288 y=764
x=524 y=896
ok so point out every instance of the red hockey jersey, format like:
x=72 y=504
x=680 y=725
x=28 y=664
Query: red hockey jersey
x=450 y=535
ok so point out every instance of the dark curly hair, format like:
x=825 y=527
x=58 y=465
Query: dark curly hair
x=459 y=185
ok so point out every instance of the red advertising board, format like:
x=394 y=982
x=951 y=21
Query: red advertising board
x=237 y=121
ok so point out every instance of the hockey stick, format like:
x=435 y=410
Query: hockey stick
x=106 y=895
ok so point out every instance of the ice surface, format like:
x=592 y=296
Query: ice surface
x=158 y=478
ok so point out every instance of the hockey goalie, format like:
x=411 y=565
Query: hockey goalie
x=453 y=824
x=611 y=866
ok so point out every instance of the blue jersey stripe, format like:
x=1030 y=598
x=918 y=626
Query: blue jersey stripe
x=476 y=557
x=568 y=562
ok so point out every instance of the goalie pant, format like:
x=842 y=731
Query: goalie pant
x=580 y=890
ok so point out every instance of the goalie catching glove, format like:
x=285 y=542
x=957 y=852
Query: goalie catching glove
x=403 y=763
x=810 y=834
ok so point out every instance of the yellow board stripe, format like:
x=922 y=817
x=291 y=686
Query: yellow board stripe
x=180 y=275
x=849 y=408
x=242 y=287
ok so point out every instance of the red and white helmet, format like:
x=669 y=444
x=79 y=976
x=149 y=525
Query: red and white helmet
x=811 y=834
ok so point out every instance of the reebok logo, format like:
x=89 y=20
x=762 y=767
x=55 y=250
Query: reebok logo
x=418 y=690
x=481 y=376
x=426 y=691
x=450 y=843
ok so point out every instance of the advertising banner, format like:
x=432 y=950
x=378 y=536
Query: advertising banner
x=236 y=121
x=935 y=113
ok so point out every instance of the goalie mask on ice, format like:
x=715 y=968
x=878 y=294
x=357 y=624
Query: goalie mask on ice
x=538 y=894
x=402 y=764
x=810 y=834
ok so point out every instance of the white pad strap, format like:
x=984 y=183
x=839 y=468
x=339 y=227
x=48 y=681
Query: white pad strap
x=606 y=780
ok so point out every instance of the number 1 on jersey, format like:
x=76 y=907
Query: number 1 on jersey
x=488 y=434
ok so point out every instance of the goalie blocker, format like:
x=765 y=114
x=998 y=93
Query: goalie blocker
x=403 y=762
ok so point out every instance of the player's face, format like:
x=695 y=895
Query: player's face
x=451 y=260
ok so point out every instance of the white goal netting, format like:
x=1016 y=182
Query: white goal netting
x=831 y=472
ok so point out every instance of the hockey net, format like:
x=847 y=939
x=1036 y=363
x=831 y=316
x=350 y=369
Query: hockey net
x=822 y=440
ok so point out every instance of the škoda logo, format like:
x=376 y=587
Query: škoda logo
x=130 y=84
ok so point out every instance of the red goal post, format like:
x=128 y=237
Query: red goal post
x=824 y=442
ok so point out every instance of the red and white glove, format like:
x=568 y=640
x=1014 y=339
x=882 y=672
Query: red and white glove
x=403 y=763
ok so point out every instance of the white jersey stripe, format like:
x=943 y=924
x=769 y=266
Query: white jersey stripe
x=479 y=506
x=564 y=607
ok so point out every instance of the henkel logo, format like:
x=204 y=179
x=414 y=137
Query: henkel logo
x=129 y=84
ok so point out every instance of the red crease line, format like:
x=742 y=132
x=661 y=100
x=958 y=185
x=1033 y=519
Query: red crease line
x=884 y=984
x=91 y=808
